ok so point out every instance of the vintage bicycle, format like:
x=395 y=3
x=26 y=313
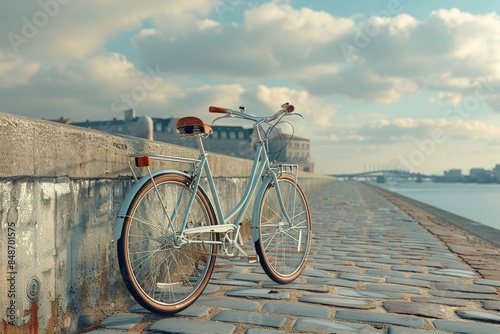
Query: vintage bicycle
x=169 y=231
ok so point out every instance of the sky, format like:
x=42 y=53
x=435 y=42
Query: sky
x=404 y=84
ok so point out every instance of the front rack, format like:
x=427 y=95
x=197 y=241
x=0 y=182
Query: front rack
x=144 y=160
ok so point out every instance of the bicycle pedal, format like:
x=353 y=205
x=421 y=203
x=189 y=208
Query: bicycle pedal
x=252 y=259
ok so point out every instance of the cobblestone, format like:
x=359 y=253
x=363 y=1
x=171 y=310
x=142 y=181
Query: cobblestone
x=421 y=309
x=338 y=327
x=252 y=318
x=370 y=294
x=393 y=288
x=337 y=301
x=465 y=327
x=310 y=311
x=364 y=278
x=491 y=305
x=463 y=295
x=181 y=326
x=263 y=331
x=465 y=287
x=385 y=273
x=406 y=330
x=195 y=311
x=479 y=315
x=258 y=293
x=455 y=273
x=434 y=278
x=334 y=282
x=294 y=286
x=122 y=321
x=229 y=303
x=382 y=318
x=378 y=264
x=444 y=301
x=487 y=282
x=408 y=281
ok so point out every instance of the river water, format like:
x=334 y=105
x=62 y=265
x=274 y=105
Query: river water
x=478 y=202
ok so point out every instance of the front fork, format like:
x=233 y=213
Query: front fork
x=270 y=180
x=276 y=185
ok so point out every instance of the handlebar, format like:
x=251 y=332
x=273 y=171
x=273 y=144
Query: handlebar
x=217 y=110
x=286 y=108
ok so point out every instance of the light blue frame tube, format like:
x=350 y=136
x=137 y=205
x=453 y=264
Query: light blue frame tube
x=259 y=164
x=201 y=166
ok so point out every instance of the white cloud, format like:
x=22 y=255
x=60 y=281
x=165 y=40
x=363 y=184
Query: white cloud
x=77 y=29
x=450 y=51
x=318 y=114
x=303 y=25
x=97 y=88
x=14 y=70
x=111 y=68
x=453 y=99
x=408 y=130
x=362 y=83
x=273 y=39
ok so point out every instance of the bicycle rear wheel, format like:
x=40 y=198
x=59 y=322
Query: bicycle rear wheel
x=283 y=248
x=164 y=274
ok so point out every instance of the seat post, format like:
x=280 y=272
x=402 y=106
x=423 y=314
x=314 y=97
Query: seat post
x=199 y=142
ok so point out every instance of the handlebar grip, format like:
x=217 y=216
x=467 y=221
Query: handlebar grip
x=289 y=108
x=217 y=110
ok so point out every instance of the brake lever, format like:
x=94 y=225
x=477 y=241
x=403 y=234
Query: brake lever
x=296 y=113
x=221 y=117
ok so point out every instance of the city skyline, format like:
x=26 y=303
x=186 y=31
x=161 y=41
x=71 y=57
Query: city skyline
x=377 y=81
x=393 y=165
x=396 y=165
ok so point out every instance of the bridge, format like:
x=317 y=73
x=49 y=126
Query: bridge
x=381 y=176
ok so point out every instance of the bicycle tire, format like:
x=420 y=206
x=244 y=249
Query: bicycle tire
x=283 y=250
x=162 y=276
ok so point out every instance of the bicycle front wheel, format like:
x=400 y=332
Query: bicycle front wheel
x=283 y=247
x=163 y=272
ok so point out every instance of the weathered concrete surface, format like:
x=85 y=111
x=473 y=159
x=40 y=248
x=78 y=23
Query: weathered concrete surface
x=376 y=266
x=40 y=148
x=60 y=190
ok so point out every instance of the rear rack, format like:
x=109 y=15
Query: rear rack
x=144 y=160
x=288 y=169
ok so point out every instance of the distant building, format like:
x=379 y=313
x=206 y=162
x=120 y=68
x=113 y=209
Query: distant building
x=496 y=171
x=284 y=148
x=453 y=175
x=481 y=175
x=229 y=140
x=132 y=125
x=477 y=174
x=62 y=120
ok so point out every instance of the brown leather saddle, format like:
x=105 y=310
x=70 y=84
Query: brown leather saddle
x=193 y=126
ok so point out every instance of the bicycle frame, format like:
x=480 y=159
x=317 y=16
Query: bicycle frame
x=261 y=170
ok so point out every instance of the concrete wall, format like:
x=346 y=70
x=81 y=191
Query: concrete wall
x=60 y=190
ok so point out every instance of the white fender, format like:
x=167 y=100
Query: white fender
x=131 y=194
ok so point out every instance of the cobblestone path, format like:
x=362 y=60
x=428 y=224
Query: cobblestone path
x=377 y=265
